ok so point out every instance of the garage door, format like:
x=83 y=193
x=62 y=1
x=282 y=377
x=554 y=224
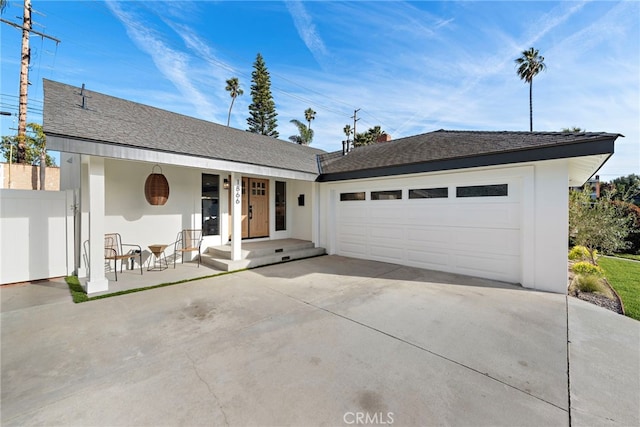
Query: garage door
x=467 y=229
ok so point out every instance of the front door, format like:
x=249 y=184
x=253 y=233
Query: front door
x=255 y=207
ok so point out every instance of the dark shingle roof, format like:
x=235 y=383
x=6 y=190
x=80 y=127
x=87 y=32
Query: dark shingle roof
x=111 y=120
x=446 y=149
x=115 y=121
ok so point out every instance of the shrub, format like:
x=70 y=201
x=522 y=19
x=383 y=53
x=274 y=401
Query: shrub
x=581 y=253
x=597 y=223
x=587 y=269
x=590 y=284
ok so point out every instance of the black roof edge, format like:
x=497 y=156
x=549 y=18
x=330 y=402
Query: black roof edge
x=587 y=148
x=319 y=163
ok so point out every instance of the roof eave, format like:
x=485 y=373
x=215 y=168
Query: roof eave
x=586 y=148
x=69 y=144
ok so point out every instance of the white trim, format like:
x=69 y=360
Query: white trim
x=331 y=221
x=69 y=145
x=528 y=227
x=97 y=280
x=315 y=214
x=236 y=216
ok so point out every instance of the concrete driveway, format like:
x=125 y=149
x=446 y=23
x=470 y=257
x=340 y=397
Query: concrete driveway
x=323 y=341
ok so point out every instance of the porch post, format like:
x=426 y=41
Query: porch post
x=315 y=213
x=236 y=216
x=97 y=280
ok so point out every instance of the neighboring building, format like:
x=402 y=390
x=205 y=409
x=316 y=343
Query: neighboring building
x=487 y=204
x=593 y=184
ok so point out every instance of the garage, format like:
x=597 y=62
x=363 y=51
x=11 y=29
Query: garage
x=460 y=223
x=480 y=203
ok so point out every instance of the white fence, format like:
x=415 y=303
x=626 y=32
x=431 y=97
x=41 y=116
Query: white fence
x=36 y=235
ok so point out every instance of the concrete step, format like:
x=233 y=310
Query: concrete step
x=260 y=249
x=226 y=264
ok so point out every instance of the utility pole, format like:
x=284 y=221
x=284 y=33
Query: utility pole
x=355 y=120
x=24 y=75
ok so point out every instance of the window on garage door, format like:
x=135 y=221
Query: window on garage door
x=429 y=193
x=386 y=195
x=500 y=190
x=346 y=197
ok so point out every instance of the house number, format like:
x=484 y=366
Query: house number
x=237 y=193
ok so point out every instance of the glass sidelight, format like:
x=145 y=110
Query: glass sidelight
x=281 y=205
x=210 y=204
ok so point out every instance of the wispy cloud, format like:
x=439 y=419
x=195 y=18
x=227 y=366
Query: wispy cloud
x=217 y=70
x=478 y=69
x=550 y=21
x=307 y=30
x=173 y=64
x=415 y=67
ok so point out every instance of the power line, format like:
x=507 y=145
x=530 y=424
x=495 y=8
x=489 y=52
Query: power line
x=334 y=106
x=16 y=108
x=17 y=97
x=22 y=27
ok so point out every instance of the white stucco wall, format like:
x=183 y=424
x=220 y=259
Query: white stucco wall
x=127 y=211
x=551 y=225
x=299 y=217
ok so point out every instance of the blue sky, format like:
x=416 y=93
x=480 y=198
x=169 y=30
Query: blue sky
x=410 y=67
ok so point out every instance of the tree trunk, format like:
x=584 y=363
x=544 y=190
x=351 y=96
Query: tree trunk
x=531 y=105
x=230 y=107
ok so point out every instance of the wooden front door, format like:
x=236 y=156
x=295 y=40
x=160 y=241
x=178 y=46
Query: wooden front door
x=255 y=207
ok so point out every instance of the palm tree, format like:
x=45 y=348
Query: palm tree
x=309 y=115
x=529 y=65
x=306 y=134
x=347 y=131
x=233 y=87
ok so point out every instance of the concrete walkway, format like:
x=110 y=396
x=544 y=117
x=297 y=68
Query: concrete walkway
x=323 y=341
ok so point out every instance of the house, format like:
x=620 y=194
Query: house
x=486 y=204
x=593 y=185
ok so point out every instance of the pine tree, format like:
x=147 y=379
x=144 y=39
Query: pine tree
x=262 y=111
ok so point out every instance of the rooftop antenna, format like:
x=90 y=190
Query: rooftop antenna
x=84 y=105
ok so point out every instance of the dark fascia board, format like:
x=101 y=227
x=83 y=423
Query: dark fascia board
x=587 y=148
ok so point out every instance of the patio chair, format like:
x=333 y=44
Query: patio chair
x=114 y=250
x=187 y=241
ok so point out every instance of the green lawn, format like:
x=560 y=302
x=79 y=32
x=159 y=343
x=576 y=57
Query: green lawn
x=624 y=276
